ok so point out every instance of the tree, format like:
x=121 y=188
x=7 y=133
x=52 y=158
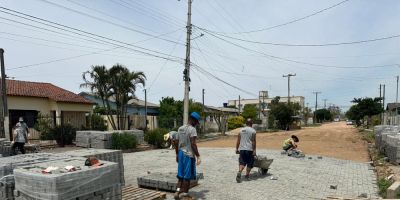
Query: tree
x=123 y=85
x=168 y=112
x=283 y=113
x=354 y=113
x=323 y=115
x=365 y=107
x=249 y=111
x=118 y=84
x=98 y=81
x=171 y=111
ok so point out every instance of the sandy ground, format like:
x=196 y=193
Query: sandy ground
x=336 y=140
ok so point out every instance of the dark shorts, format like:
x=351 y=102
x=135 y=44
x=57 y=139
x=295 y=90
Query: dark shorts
x=246 y=158
x=287 y=147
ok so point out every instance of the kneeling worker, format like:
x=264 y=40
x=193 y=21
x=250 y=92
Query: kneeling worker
x=290 y=144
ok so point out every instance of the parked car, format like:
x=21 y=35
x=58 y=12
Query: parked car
x=349 y=122
x=336 y=119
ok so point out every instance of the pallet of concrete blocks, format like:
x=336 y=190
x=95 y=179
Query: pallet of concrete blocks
x=8 y=164
x=378 y=135
x=68 y=179
x=5 y=147
x=381 y=133
x=387 y=140
x=102 y=154
x=82 y=139
x=392 y=148
x=7 y=187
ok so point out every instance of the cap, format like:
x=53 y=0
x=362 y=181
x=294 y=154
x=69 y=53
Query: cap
x=21 y=119
x=195 y=115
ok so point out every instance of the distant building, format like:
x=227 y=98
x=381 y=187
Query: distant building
x=136 y=111
x=243 y=102
x=29 y=99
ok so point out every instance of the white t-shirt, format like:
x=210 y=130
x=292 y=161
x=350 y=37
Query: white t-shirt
x=246 y=134
x=184 y=134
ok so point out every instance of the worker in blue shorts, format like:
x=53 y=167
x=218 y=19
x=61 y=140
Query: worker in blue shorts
x=187 y=155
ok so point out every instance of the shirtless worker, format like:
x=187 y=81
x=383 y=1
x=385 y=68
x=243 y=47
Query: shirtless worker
x=246 y=148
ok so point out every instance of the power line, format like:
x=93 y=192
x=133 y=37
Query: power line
x=205 y=72
x=290 y=22
x=310 y=45
x=295 y=61
x=106 y=21
x=86 y=34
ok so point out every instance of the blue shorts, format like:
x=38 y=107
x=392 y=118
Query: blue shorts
x=186 y=167
x=246 y=158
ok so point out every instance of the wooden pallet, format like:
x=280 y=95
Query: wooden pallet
x=134 y=193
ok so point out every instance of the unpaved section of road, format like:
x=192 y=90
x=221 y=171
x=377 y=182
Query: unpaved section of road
x=336 y=140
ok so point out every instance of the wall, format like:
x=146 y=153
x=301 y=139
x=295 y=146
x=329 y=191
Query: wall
x=29 y=103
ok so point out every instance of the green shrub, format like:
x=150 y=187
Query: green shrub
x=43 y=125
x=63 y=134
x=383 y=185
x=123 y=141
x=156 y=137
x=235 y=122
x=97 y=123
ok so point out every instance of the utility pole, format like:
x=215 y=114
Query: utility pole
x=186 y=72
x=3 y=100
x=380 y=96
x=384 y=96
x=239 y=106
x=325 y=103
x=204 y=116
x=145 y=108
x=288 y=84
x=316 y=105
x=397 y=89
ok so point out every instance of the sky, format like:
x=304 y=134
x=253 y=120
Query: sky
x=150 y=36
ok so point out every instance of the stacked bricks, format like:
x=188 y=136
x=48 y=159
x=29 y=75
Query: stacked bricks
x=8 y=164
x=381 y=132
x=102 y=139
x=102 y=154
x=86 y=183
x=387 y=141
x=5 y=147
x=165 y=181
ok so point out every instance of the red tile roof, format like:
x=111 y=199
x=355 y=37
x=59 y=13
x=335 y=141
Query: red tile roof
x=43 y=90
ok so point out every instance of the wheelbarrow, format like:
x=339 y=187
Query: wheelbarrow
x=263 y=163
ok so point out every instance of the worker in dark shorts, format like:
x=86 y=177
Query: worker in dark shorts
x=246 y=148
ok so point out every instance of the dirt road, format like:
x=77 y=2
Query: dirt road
x=334 y=140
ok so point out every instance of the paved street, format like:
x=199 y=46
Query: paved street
x=297 y=178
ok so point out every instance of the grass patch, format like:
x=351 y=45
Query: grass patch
x=383 y=185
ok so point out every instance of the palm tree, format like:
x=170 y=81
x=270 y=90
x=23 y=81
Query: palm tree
x=123 y=85
x=97 y=80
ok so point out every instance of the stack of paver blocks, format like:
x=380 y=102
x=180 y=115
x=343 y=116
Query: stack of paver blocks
x=102 y=154
x=381 y=132
x=387 y=141
x=5 y=147
x=86 y=183
x=8 y=164
x=103 y=139
x=163 y=181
